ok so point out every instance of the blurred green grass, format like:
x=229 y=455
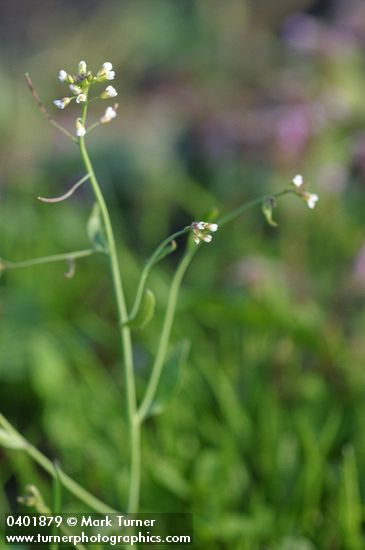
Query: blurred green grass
x=219 y=103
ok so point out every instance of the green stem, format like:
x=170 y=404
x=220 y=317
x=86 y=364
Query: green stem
x=93 y=126
x=241 y=209
x=71 y=485
x=134 y=485
x=153 y=259
x=4 y=264
x=171 y=306
x=165 y=334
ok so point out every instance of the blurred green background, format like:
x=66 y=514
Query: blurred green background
x=220 y=102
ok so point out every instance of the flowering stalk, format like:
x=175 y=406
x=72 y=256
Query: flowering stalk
x=125 y=331
x=165 y=334
x=68 y=256
x=201 y=232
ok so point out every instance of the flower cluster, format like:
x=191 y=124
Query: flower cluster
x=202 y=231
x=310 y=198
x=79 y=86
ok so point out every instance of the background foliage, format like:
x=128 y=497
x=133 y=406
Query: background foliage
x=219 y=102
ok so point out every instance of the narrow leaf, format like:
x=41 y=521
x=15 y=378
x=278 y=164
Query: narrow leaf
x=267 y=208
x=95 y=229
x=170 y=377
x=145 y=311
x=10 y=441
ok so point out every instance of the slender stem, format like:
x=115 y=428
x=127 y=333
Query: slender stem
x=171 y=306
x=134 y=485
x=93 y=126
x=71 y=485
x=4 y=264
x=68 y=193
x=165 y=334
x=241 y=209
x=153 y=259
x=44 y=111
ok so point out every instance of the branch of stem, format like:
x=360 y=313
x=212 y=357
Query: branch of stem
x=165 y=334
x=68 y=194
x=71 y=485
x=44 y=111
x=67 y=256
x=160 y=358
x=156 y=256
x=134 y=485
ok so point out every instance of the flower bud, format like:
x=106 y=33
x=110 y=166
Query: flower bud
x=311 y=199
x=106 y=72
x=62 y=75
x=62 y=103
x=110 y=91
x=110 y=113
x=75 y=89
x=298 y=180
x=80 y=128
x=82 y=68
x=81 y=98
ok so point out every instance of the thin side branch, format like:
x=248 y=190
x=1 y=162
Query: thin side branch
x=67 y=257
x=68 y=194
x=71 y=485
x=44 y=111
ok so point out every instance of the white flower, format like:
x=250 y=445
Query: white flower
x=80 y=128
x=82 y=67
x=75 y=89
x=62 y=103
x=298 y=180
x=108 y=70
x=311 y=199
x=62 y=75
x=212 y=227
x=202 y=230
x=109 y=114
x=110 y=91
x=81 y=98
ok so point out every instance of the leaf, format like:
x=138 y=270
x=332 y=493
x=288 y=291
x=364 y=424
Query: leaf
x=170 y=377
x=10 y=441
x=95 y=229
x=267 y=208
x=145 y=311
x=2 y=266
